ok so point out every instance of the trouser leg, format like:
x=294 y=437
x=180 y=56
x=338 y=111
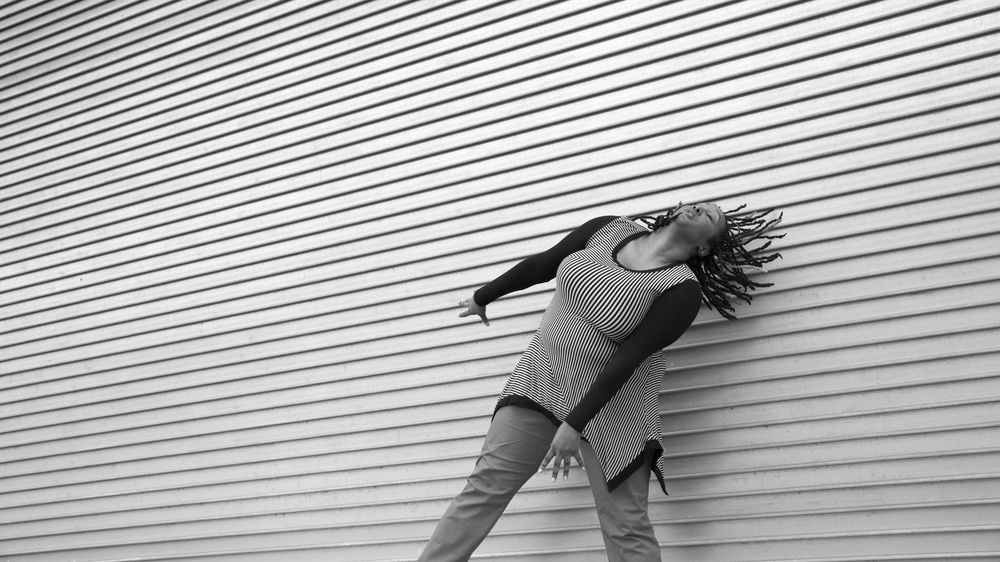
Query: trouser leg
x=515 y=445
x=628 y=533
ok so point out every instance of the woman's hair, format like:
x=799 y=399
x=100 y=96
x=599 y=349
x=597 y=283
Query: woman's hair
x=721 y=272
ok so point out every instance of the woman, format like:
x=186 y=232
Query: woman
x=587 y=387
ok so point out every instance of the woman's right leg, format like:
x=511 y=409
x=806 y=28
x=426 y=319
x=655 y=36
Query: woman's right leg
x=515 y=445
x=624 y=515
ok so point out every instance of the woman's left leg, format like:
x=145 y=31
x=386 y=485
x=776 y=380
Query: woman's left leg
x=628 y=533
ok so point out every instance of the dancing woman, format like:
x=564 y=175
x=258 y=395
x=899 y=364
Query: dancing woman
x=587 y=386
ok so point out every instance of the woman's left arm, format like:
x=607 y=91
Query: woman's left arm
x=667 y=319
x=670 y=315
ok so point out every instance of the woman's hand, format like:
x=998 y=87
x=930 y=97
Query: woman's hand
x=565 y=446
x=473 y=308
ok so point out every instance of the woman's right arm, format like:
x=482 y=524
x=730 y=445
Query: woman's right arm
x=541 y=267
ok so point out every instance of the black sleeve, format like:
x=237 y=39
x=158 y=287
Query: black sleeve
x=667 y=319
x=539 y=268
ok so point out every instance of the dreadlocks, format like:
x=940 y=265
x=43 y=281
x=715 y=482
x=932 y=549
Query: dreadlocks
x=721 y=272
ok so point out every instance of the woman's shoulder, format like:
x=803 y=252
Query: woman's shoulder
x=597 y=223
x=608 y=229
x=618 y=222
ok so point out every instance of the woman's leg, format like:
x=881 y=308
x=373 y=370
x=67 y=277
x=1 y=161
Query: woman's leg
x=628 y=534
x=515 y=445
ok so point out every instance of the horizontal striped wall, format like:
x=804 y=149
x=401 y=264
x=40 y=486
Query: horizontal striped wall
x=233 y=237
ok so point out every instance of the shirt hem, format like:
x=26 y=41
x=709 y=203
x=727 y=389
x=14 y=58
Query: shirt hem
x=525 y=402
x=652 y=449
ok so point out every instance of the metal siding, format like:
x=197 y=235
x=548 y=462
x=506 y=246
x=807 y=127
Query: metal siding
x=233 y=237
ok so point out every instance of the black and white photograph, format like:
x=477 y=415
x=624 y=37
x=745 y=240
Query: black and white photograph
x=499 y=281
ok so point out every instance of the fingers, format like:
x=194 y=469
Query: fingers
x=468 y=310
x=545 y=461
x=555 y=465
x=562 y=461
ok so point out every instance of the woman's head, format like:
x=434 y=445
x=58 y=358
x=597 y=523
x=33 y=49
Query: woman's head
x=701 y=225
x=720 y=256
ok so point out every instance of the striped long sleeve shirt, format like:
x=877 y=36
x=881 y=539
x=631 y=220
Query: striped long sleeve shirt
x=595 y=361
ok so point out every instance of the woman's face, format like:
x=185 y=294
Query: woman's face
x=700 y=223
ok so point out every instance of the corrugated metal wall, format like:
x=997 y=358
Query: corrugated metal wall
x=234 y=236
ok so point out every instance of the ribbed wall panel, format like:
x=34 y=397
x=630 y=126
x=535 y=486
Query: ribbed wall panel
x=30 y=27
x=232 y=238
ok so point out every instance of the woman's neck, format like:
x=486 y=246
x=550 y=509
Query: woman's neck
x=664 y=246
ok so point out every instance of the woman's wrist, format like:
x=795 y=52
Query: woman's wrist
x=574 y=424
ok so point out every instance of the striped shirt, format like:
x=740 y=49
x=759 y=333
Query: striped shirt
x=595 y=361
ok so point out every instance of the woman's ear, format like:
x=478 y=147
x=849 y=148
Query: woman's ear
x=703 y=250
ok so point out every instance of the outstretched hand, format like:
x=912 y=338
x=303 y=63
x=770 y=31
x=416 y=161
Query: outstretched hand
x=472 y=308
x=565 y=447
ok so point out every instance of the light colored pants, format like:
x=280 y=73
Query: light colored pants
x=516 y=443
